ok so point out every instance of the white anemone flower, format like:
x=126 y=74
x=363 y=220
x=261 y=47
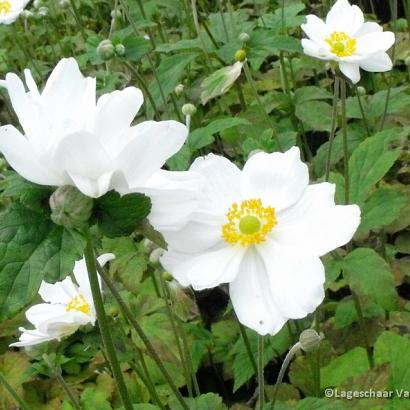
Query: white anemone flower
x=262 y=230
x=10 y=10
x=348 y=40
x=70 y=139
x=67 y=306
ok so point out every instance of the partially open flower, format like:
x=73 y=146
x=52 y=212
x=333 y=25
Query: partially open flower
x=348 y=40
x=72 y=139
x=68 y=305
x=262 y=230
x=10 y=10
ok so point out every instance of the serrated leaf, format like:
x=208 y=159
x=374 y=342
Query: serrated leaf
x=209 y=401
x=32 y=248
x=368 y=274
x=317 y=115
x=310 y=93
x=202 y=137
x=372 y=159
x=121 y=215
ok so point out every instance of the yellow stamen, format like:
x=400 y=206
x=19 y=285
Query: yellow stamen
x=79 y=304
x=341 y=44
x=248 y=223
x=5 y=6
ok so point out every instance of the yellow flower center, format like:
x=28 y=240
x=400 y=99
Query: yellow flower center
x=79 y=304
x=5 y=6
x=341 y=44
x=248 y=223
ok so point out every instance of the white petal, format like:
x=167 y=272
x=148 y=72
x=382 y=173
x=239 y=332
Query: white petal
x=222 y=182
x=344 y=17
x=19 y=154
x=205 y=270
x=59 y=292
x=371 y=43
x=174 y=196
x=317 y=50
x=94 y=188
x=350 y=70
x=64 y=325
x=315 y=28
x=252 y=298
x=31 y=338
x=379 y=62
x=153 y=143
x=296 y=278
x=278 y=179
x=368 y=27
x=115 y=112
x=44 y=312
x=31 y=84
x=316 y=223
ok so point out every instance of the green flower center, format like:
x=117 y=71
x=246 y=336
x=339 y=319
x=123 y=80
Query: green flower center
x=249 y=225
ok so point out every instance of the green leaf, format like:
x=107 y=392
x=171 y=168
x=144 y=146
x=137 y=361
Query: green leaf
x=209 y=401
x=135 y=47
x=382 y=208
x=313 y=403
x=220 y=82
x=317 y=115
x=120 y=215
x=368 y=274
x=32 y=248
x=204 y=136
x=169 y=73
x=286 y=43
x=372 y=159
x=310 y=93
x=92 y=398
x=341 y=368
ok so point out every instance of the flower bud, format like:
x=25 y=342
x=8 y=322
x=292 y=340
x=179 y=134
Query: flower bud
x=179 y=89
x=188 y=109
x=407 y=61
x=120 y=50
x=42 y=11
x=69 y=207
x=64 y=3
x=309 y=340
x=361 y=91
x=149 y=246
x=27 y=14
x=37 y=3
x=115 y=14
x=106 y=50
x=156 y=255
x=240 y=55
x=244 y=37
x=167 y=276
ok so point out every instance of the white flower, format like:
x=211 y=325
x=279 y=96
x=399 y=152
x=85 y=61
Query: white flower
x=262 y=230
x=72 y=140
x=348 y=40
x=10 y=10
x=68 y=306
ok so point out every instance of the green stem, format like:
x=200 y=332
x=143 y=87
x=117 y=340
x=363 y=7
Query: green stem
x=130 y=317
x=366 y=125
x=19 y=401
x=221 y=12
x=249 y=78
x=77 y=19
x=295 y=348
x=261 y=378
x=248 y=347
x=332 y=127
x=345 y=142
x=103 y=323
x=68 y=391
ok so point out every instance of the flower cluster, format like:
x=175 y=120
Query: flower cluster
x=261 y=229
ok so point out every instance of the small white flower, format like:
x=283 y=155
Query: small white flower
x=68 y=306
x=70 y=139
x=348 y=40
x=262 y=230
x=10 y=10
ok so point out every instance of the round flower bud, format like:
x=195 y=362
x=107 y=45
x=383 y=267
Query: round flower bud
x=179 y=89
x=240 y=55
x=120 y=50
x=106 y=50
x=155 y=255
x=115 y=14
x=27 y=14
x=37 y=3
x=243 y=37
x=69 y=207
x=407 y=61
x=42 y=11
x=188 y=109
x=149 y=246
x=361 y=91
x=167 y=276
x=309 y=340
